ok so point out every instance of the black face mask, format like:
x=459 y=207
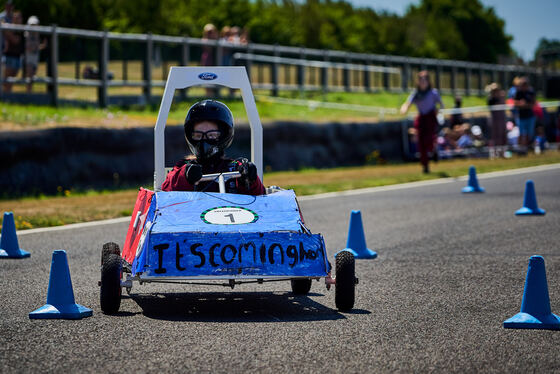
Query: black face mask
x=206 y=151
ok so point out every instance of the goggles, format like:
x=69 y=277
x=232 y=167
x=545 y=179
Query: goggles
x=212 y=135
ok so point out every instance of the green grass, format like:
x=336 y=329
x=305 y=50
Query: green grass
x=379 y=99
x=15 y=116
x=71 y=207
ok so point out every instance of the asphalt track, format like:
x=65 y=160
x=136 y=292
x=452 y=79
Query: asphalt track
x=451 y=269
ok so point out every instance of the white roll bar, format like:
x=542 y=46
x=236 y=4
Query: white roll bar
x=221 y=177
x=181 y=77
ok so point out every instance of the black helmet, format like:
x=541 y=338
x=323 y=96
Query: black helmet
x=213 y=111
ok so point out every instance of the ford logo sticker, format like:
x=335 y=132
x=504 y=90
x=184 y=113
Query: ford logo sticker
x=207 y=76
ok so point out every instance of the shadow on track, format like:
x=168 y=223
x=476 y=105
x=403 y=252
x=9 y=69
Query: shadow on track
x=235 y=307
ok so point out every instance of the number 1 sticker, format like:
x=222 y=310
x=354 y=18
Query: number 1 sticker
x=229 y=215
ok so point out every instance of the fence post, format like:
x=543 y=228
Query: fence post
x=248 y=62
x=1 y=64
x=124 y=62
x=185 y=58
x=275 y=68
x=78 y=46
x=147 y=69
x=438 y=76
x=301 y=73
x=219 y=52
x=386 y=77
x=480 y=81
x=405 y=72
x=367 y=76
x=453 y=79
x=507 y=78
x=52 y=67
x=503 y=77
x=468 y=81
x=346 y=75
x=544 y=81
x=185 y=52
x=494 y=74
x=325 y=73
x=102 y=98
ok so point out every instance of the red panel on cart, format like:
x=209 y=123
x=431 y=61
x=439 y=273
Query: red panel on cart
x=134 y=232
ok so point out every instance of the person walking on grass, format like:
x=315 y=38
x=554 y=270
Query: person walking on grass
x=426 y=100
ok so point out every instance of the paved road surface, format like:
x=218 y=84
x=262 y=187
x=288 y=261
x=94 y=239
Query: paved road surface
x=451 y=268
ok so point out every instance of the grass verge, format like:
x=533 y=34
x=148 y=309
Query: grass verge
x=52 y=211
x=27 y=117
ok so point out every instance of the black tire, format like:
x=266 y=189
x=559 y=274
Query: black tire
x=345 y=289
x=301 y=286
x=110 y=293
x=108 y=249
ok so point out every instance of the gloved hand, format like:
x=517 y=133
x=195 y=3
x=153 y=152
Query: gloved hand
x=193 y=173
x=247 y=169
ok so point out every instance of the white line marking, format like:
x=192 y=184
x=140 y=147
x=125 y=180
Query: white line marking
x=327 y=195
x=75 y=226
x=430 y=182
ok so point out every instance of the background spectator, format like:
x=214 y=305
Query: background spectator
x=511 y=97
x=513 y=89
x=457 y=118
x=226 y=36
x=244 y=37
x=465 y=139
x=32 y=47
x=8 y=12
x=426 y=99
x=512 y=134
x=524 y=101
x=207 y=58
x=13 y=49
x=497 y=96
x=6 y=17
x=210 y=32
x=235 y=35
x=540 y=140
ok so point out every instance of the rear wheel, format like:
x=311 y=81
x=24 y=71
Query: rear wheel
x=345 y=288
x=110 y=293
x=108 y=249
x=301 y=286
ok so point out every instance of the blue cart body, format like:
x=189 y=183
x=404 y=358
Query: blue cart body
x=203 y=235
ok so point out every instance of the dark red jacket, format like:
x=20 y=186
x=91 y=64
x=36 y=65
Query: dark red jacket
x=177 y=181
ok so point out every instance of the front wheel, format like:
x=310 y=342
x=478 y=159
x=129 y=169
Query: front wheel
x=345 y=289
x=108 y=249
x=110 y=293
x=301 y=286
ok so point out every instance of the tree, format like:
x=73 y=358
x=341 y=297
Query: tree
x=462 y=29
x=547 y=53
x=455 y=29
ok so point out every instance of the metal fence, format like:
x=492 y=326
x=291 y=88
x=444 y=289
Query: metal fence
x=270 y=67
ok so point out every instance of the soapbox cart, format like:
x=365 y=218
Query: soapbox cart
x=219 y=238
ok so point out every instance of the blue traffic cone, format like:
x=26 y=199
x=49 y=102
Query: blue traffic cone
x=356 y=243
x=60 y=296
x=530 y=206
x=535 y=307
x=9 y=247
x=472 y=185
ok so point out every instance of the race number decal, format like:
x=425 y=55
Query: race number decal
x=229 y=215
